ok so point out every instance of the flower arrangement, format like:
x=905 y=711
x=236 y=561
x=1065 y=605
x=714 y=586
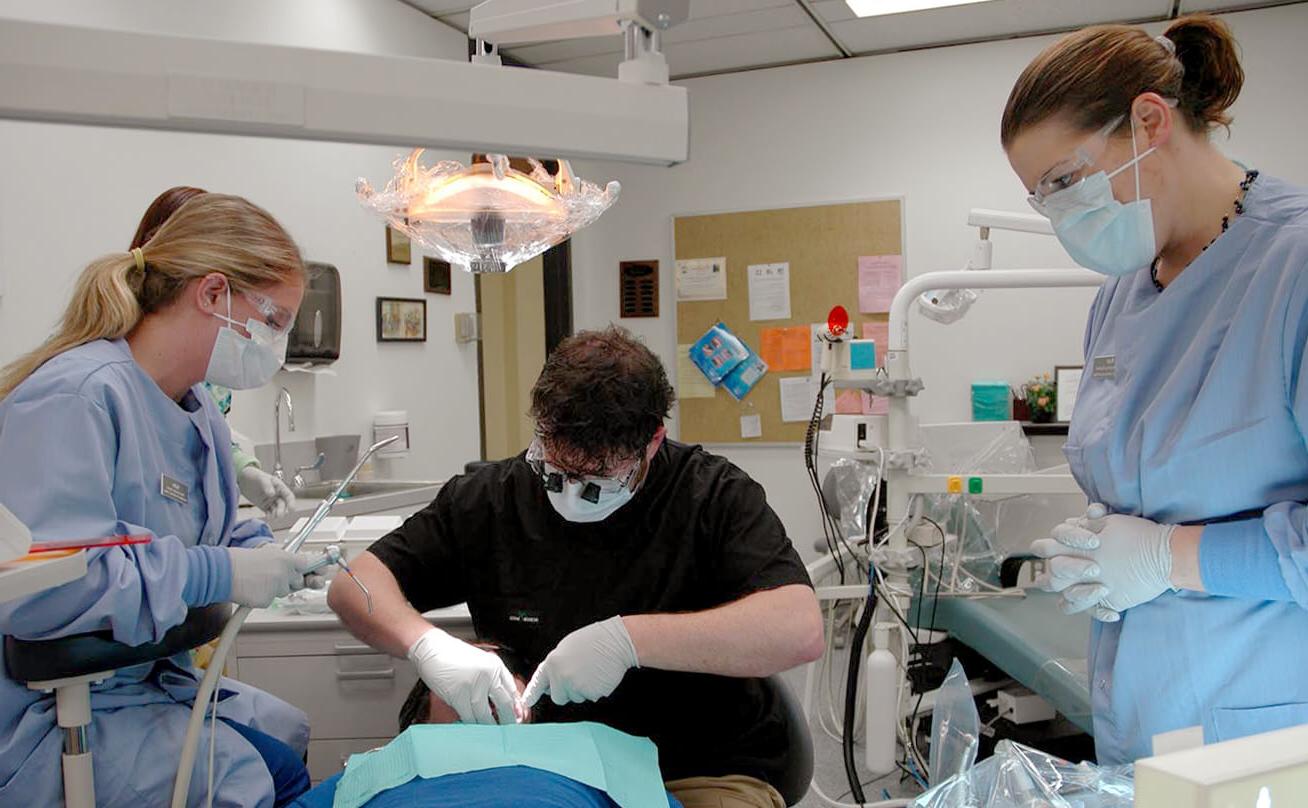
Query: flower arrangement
x=1041 y=398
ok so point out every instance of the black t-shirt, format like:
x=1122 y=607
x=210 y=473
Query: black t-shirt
x=697 y=534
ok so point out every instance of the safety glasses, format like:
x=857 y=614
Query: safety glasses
x=279 y=318
x=1072 y=171
x=594 y=486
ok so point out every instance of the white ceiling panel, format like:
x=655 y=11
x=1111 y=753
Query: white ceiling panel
x=985 y=20
x=459 y=20
x=437 y=8
x=716 y=8
x=1226 y=5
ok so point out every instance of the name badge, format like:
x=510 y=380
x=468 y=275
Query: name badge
x=1105 y=367
x=173 y=489
x=527 y=616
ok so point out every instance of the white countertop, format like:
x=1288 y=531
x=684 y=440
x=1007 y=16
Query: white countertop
x=276 y=620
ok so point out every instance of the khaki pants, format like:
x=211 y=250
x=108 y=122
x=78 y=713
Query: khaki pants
x=735 y=791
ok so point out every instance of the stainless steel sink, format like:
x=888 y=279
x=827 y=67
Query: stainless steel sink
x=360 y=488
x=365 y=496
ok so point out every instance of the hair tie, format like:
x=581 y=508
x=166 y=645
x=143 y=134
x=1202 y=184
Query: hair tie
x=1167 y=43
x=140 y=258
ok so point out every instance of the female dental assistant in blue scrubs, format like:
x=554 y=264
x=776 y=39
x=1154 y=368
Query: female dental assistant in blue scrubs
x=105 y=429
x=1191 y=418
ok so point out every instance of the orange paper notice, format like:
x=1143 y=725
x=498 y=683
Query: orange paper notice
x=785 y=349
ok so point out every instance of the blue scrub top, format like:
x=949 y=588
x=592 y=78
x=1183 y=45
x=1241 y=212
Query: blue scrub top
x=1197 y=414
x=87 y=444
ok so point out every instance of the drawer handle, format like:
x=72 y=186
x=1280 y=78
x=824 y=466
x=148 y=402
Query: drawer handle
x=353 y=648
x=355 y=676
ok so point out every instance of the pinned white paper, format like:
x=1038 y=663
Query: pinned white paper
x=798 y=395
x=702 y=279
x=751 y=426
x=769 y=291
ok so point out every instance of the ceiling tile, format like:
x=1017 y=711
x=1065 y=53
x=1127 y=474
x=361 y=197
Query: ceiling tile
x=459 y=21
x=833 y=10
x=699 y=9
x=984 y=20
x=1188 y=6
x=437 y=8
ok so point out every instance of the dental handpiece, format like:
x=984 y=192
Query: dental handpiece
x=333 y=555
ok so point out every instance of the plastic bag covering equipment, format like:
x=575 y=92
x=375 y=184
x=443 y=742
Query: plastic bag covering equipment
x=1017 y=776
x=486 y=217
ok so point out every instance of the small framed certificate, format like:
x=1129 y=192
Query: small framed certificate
x=1067 y=380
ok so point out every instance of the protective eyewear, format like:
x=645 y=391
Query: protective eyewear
x=595 y=486
x=1072 y=171
x=279 y=318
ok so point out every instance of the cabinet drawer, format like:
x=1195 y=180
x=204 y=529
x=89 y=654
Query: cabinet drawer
x=346 y=696
x=328 y=757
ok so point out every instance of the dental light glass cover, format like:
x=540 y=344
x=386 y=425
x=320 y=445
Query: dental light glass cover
x=486 y=217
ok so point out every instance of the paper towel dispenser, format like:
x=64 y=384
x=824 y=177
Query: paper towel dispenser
x=315 y=338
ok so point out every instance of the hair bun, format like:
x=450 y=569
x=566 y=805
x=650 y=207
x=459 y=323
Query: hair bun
x=1213 y=76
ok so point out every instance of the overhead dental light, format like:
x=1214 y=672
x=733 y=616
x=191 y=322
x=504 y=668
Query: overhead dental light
x=490 y=216
x=487 y=216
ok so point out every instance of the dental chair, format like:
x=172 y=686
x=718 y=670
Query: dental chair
x=70 y=665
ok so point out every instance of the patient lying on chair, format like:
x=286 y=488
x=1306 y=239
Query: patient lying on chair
x=458 y=766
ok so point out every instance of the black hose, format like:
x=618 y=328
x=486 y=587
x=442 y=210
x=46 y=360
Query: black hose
x=851 y=690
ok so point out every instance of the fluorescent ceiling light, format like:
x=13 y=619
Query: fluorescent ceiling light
x=877 y=8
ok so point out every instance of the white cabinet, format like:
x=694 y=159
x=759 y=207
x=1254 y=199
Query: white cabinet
x=351 y=693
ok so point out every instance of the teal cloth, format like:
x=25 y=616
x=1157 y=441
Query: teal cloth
x=623 y=766
x=990 y=401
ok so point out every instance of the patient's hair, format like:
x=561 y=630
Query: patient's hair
x=599 y=399
x=418 y=704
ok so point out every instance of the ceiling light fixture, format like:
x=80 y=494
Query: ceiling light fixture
x=488 y=216
x=877 y=8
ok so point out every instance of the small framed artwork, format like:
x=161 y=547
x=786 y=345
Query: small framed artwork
x=401 y=319
x=399 y=250
x=1067 y=380
x=435 y=276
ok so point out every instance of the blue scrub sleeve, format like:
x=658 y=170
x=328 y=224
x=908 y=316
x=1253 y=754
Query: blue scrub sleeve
x=1267 y=558
x=64 y=490
x=250 y=533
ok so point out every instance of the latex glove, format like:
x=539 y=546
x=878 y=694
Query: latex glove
x=467 y=678
x=262 y=574
x=1107 y=561
x=587 y=665
x=268 y=493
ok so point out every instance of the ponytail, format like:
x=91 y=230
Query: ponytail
x=208 y=233
x=1213 y=76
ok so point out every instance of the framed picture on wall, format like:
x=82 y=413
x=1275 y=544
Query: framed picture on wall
x=1067 y=379
x=399 y=250
x=435 y=276
x=401 y=319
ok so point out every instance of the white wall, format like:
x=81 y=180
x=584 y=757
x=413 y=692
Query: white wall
x=361 y=26
x=72 y=193
x=925 y=125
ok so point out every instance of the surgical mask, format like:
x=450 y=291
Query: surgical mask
x=1099 y=232
x=587 y=499
x=573 y=505
x=241 y=362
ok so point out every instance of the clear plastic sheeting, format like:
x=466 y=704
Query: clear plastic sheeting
x=955 y=727
x=847 y=489
x=486 y=217
x=1018 y=776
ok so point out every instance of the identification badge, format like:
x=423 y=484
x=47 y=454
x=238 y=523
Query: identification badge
x=173 y=489
x=1105 y=367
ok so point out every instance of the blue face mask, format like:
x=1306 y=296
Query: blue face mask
x=1099 y=232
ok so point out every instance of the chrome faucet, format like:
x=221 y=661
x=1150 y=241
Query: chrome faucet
x=278 y=471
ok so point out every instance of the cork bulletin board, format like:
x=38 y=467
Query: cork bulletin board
x=822 y=245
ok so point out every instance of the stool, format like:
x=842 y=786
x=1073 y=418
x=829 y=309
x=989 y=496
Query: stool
x=798 y=776
x=70 y=665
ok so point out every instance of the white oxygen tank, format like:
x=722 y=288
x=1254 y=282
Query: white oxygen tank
x=882 y=708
